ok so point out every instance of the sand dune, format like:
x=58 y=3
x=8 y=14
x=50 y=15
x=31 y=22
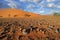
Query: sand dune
x=19 y=13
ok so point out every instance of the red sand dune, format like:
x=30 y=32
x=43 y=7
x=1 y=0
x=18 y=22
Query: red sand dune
x=19 y=13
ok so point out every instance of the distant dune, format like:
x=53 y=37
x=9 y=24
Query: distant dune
x=6 y=13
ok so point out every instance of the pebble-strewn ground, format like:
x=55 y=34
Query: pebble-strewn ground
x=29 y=29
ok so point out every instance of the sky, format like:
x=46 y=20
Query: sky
x=36 y=6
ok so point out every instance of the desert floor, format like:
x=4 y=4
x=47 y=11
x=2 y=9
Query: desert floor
x=46 y=28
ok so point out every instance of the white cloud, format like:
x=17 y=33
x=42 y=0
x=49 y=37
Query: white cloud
x=51 y=5
x=35 y=1
x=42 y=4
x=50 y=0
x=23 y=0
x=9 y=0
x=42 y=11
x=30 y=6
x=12 y=3
x=58 y=6
x=56 y=11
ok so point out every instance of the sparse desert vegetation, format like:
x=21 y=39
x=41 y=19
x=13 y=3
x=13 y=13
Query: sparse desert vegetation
x=31 y=27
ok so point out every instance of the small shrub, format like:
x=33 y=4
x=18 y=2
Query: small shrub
x=56 y=14
x=1 y=16
x=15 y=15
x=27 y=15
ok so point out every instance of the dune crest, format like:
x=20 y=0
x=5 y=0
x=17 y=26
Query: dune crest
x=6 y=13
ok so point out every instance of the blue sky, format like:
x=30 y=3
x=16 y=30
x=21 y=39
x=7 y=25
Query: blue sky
x=35 y=6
